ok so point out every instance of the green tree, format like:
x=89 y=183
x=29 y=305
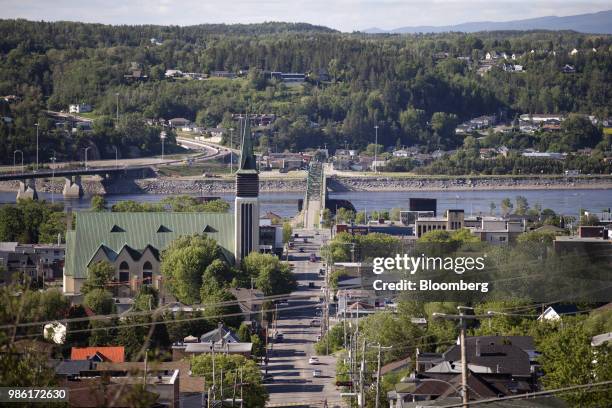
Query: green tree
x=506 y=206
x=98 y=203
x=272 y=276
x=255 y=394
x=99 y=275
x=568 y=359
x=183 y=264
x=100 y=301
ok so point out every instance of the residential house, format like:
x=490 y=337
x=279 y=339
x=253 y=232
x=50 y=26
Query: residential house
x=491 y=55
x=574 y=52
x=556 y=312
x=115 y=354
x=220 y=335
x=183 y=350
x=79 y=108
x=173 y=73
x=97 y=389
x=568 y=69
x=249 y=300
x=44 y=261
x=498 y=231
x=545 y=155
x=179 y=122
x=223 y=74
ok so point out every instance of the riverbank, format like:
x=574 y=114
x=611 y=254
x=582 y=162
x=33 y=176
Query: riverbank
x=336 y=184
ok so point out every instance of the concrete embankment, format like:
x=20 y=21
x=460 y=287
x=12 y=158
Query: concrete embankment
x=201 y=186
x=467 y=183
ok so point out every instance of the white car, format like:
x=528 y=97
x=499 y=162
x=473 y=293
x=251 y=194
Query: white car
x=313 y=360
x=316 y=373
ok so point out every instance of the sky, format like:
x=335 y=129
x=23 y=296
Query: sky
x=344 y=15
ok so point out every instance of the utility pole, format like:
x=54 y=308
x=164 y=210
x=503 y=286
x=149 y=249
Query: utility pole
x=241 y=399
x=375 y=149
x=462 y=317
x=231 y=150
x=378 y=373
x=464 y=368
x=378 y=378
x=117 y=95
x=212 y=346
x=361 y=373
x=234 y=391
x=36 y=124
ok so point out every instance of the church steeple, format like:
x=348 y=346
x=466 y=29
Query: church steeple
x=247 y=157
x=246 y=205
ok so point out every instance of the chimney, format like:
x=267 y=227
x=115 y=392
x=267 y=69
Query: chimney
x=477 y=347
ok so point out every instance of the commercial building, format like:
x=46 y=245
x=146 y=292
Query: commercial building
x=452 y=220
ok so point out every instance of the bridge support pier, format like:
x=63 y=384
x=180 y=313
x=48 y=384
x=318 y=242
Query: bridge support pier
x=27 y=190
x=73 y=187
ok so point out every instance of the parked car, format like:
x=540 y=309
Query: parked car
x=279 y=337
x=311 y=285
x=301 y=250
x=316 y=373
x=313 y=360
x=313 y=258
x=321 y=271
x=315 y=322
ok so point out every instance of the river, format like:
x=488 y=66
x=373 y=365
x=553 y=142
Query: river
x=567 y=202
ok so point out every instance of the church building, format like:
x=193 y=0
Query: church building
x=132 y=242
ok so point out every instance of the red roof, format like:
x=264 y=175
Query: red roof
x=111 y=354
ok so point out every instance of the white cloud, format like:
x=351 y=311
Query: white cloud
x=345 y=15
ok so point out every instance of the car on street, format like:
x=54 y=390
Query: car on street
x=311 y=285
x=316 y=373
x=313 y=360
x=315 y=322
x=313 y=258
x=279 y=337
x=301 y=250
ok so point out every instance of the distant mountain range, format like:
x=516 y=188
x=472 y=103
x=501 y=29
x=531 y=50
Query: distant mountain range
x=596 y=23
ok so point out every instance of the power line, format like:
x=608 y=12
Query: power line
x=532 y=394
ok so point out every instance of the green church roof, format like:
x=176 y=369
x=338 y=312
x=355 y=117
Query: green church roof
x=114 y=231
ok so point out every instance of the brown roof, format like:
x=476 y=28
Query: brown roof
x=90 y=393
x=500 y=358
x=395 y=365
x=187 y=383
x=113 y=354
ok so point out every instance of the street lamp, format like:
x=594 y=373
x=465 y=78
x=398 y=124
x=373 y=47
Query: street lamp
x=86 y=149
x=162 y=136
x=231 y=150
x=375 y=148
x=36 y=124
x=117 y=95
x=53 y=159
x=14 y=162
x=116 y=157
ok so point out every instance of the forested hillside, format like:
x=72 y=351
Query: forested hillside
x=413 y=86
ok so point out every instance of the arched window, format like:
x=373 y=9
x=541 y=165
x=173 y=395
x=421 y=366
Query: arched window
x=147 y=273
x=124 y=272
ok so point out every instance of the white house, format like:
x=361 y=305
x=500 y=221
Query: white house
x=573 y=52
x=556 y=312
x=79 y=108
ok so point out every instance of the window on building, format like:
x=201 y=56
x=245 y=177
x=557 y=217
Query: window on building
x=147 y=273
x=124 y=272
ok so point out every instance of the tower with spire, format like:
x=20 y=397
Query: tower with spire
x=246 y=206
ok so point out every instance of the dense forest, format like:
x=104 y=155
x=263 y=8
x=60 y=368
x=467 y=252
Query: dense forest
x=416 y=88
